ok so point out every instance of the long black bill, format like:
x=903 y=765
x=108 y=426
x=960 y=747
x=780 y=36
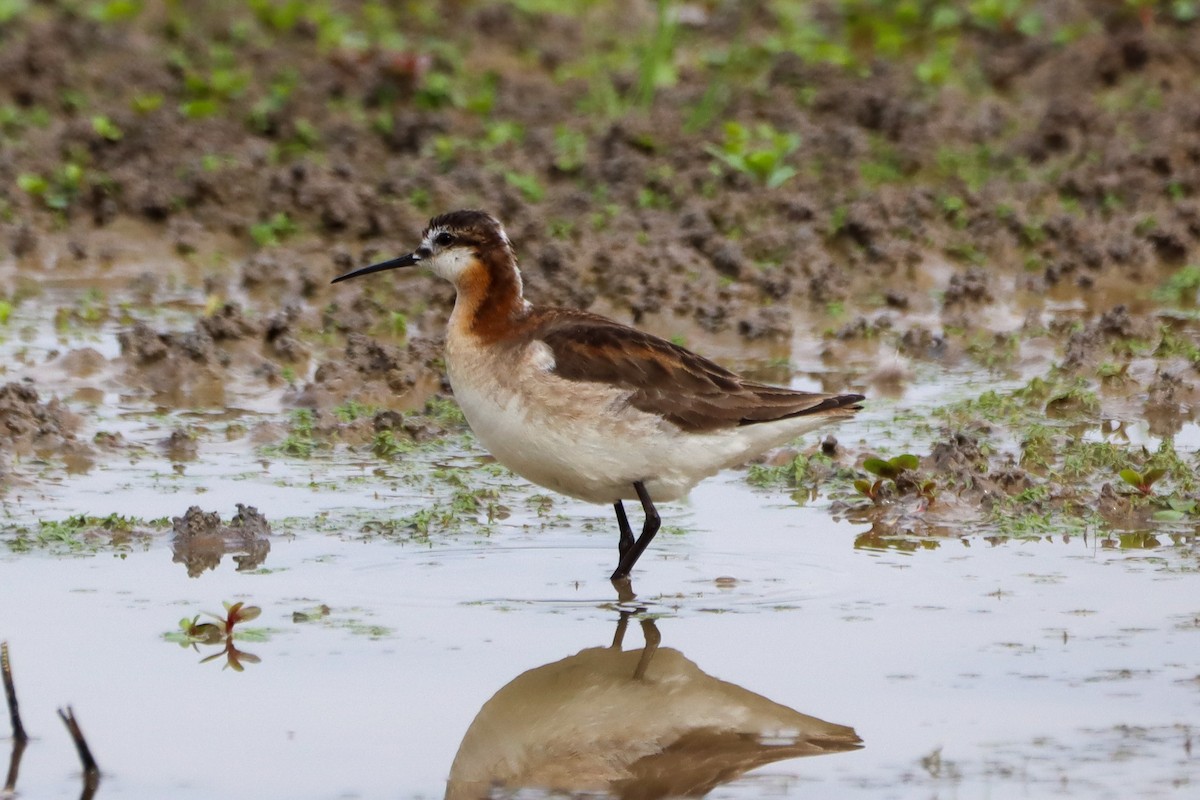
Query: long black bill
x=395 y=263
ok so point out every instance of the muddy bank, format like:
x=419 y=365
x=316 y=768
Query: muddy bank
x=868 y=194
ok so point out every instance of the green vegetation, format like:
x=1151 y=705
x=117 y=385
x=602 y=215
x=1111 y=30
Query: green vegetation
x=83 y=534
x=1142 y=481
x=895 y=471
x=56 y=191
x=225 y=632
x=106 y=128
x=690 y=116
x=301 y=438
x=760 y=152
x=528 y=185
x=273 y=231
x=1182 y=288
x=352 y=410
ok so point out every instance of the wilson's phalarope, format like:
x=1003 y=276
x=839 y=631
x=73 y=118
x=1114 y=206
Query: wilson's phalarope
x=584 y=405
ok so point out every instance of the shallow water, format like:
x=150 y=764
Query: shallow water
x=968 y=668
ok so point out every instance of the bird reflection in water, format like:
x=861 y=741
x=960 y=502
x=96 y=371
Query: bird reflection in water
x=639 y=724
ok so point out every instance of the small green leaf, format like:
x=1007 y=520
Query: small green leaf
x=1152 y=475
x=1131 y=476
x=247 y=613
x=877 y=466
x=105 y=127
x=780 y=176
x=31 y=183
x=1182 y=504
x=906 y=461
x=863 y=485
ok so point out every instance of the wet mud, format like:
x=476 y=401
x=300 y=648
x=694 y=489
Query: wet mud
x=1071 y=167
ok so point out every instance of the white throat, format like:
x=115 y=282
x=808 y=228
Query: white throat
x=450 y=264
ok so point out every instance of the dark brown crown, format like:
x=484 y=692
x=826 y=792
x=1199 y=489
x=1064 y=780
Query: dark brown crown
x=470 y=227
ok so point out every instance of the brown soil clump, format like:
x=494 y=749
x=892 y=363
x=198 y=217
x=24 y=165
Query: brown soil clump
x=29 y=426
x=200 y=539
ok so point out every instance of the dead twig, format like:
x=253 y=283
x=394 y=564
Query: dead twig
x=14 y=768
x=10 y=691
x=90 y=770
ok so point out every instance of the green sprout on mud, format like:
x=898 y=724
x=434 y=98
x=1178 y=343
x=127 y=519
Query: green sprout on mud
x=106 y=128
x=352 y=410
x=144 y=103
x=115 y=10
x=300 y=440
x=656 y=57
x=1142 y=481
x=1182 y=288
x=266 y=112
x=1005 y=15
x=437 y=90
x=760 y=152
x=1108 y=371
x=570 y=149
x=527 y=184
x=387 y=445
x=11 y=9
x=84 y=534
x=207 y=94
x=445 y=412
x=894 y=470
x=273 y=231
x=57 y=191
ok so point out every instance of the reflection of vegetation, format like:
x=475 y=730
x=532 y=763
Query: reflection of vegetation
x=323 y=616
x=226 y=628
x=877 y=540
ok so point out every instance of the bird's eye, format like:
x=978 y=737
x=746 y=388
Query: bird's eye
x=443 y=239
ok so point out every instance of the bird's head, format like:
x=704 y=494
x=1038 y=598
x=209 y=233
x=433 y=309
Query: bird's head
x=466 y=248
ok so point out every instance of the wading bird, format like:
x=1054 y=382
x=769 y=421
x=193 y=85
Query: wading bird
x=584 y=405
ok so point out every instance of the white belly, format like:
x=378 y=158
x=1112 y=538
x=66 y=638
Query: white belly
x=582 y=439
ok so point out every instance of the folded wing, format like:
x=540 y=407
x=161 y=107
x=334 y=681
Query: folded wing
x=666 y=379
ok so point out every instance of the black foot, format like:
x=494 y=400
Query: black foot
x=632 y=552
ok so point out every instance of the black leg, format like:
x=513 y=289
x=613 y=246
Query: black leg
x=630 y=556
x=626 y=532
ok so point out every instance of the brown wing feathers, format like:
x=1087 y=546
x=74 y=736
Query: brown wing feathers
x=686 y=389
